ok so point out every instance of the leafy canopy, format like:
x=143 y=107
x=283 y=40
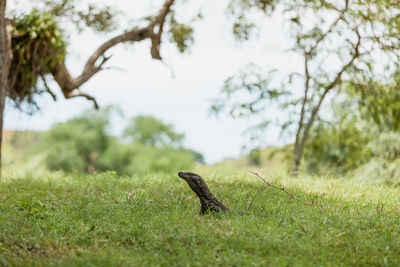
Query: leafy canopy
x=83 y=144
x=151 y=131
x=347 y=43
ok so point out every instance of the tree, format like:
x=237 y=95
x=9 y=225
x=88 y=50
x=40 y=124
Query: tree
x=75 y=145
x=83 y=144
x=339 y=144
x=362 y=128
x=32 y=47
x=345 y=44
x=151 y=131
x=5 y=60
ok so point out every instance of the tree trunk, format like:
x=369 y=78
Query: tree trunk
x=5 y=61
x=297 y=154
x=295 y=165
x=301 y=138
x=207 y=200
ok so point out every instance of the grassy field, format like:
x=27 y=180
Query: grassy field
x=106 y=220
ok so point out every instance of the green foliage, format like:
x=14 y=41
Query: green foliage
x=82 y=144
x=242 y=11
x=255 y=157
x=20 y=140
x=64 y=155
x=100 y=18
x=245 y=5
x=136 y=158
x=379 y=101
x=387 y=146
x=352 y=143
x=338 y=146
x=338 y=44
x=181 y=34
x=165 y=159
x=74 y=145
x=153 y=132
x=247 y=94
x=38 y=46
x=198 y=157
x=243 y=30
x=384 y=166
x=153 y=220
x=117 y=157
x=379 y=171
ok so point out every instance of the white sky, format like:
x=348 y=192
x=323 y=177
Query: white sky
x=146 y=86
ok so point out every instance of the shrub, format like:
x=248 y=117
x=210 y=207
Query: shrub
x=337 y=147
x=379 y=170
x=82 y=144
x=387 y=146
x=137 y=158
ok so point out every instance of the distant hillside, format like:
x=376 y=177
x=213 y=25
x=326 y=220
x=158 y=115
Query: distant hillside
x=272 y=158
x=20 y=140
x=19 y=143
x=18 y=146
x=7 y=134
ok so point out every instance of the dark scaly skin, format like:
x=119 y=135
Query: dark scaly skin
x=207 y=200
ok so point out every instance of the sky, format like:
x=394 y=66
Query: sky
x=178 y=90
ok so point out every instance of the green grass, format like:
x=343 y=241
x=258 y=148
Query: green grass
x=105 y=220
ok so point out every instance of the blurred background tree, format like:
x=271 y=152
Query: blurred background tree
x=75 y=145
x=150 y=131
x=84 y=145
x=348 y=43
x=359 y=138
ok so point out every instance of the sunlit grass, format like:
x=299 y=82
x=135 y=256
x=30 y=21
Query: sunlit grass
x=153 y=220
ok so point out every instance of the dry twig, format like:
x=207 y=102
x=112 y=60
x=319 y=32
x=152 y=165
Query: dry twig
x=280 y=188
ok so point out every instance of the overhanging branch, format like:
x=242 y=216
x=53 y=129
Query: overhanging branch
x=68 y=84
x=80 y=94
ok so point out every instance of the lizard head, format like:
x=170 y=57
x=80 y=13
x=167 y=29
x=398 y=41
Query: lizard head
x=191 y=178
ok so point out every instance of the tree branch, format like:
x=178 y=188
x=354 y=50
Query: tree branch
x=335 y=82
x=81 y=94
x=68 y=84
x=323 y=36
x=305 y=99
x=48 y=90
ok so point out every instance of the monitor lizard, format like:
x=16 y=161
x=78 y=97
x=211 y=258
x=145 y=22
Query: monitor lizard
x=207 y=200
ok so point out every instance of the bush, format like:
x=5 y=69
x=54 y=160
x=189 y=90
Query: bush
x=137 y=158
x=255 y=157
x=387 y=146
x=82 y=144
x=379 y=170
x=64 y=156
x=74 y=145
x=384 y=167
x=337 y=147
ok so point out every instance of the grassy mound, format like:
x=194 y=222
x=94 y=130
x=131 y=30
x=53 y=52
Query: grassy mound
x=106 y=220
